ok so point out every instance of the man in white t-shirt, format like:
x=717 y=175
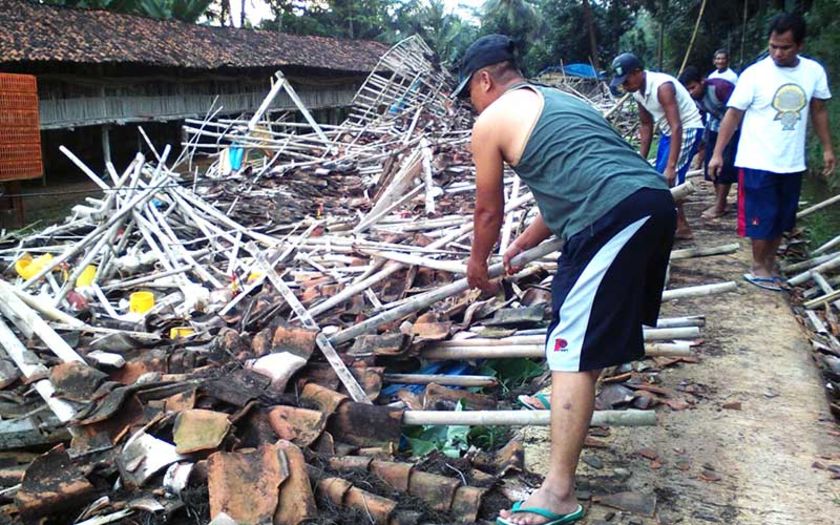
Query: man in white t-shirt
x=773 y=101
x=663 y=101
x=722 y=70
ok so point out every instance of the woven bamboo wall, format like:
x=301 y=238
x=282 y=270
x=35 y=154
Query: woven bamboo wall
x=66 y=104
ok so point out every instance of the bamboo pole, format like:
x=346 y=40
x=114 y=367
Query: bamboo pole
x=831 y=264
x=676 y=322
x=682 y=191
x=522 y=418
x=413 y=260
x=819 y=301
x=32 y=369
x=705 y=251
x=94 y=235
x=441 y=379
x=818 y=206
x=699 y=291
x=423 y=300
x=532 y=351
x=650 y=334
x=809 y=263
x=29 y=322
x=827 y=246
x=355 y=390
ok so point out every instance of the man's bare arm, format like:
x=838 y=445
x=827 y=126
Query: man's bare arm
x=667 y=95
x=728 y=126
x=819 y=116
x=489 y=199
x=535 y=233
x=645 y=130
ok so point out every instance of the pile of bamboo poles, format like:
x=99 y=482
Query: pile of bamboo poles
x=201 y=240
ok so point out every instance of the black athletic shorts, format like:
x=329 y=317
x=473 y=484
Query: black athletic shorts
x=609 y=283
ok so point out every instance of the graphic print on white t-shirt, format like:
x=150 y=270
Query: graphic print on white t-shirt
x=776 y=104
x=789 y=101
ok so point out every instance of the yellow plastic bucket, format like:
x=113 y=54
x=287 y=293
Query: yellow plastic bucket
x=86 y=277
x=180 y=331
x=27 y=267
x=141 y=302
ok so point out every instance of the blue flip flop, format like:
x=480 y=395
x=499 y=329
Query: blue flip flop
x=765 y=283
x=542 y=398
x=553 y=518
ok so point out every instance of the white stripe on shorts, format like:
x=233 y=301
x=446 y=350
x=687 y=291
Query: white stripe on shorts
x=564 y=345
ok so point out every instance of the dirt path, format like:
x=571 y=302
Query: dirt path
x=756 y=354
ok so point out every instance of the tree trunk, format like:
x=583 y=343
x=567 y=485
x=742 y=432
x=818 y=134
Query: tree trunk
x=660 y=48
x=593 y=42
x=242 y=14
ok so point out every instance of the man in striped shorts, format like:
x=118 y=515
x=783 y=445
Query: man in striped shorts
x=664 y=101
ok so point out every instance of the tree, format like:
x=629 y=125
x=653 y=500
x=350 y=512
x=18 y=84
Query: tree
x=593 y=38
x=519 y=19
x=446 y=33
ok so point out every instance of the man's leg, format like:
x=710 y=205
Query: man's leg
x=721 y=193
x=683 y=229
x=764 y=256
x=772 y=250
x=719 y=207
x=572 y=403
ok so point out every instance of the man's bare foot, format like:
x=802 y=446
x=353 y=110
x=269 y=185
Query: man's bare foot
x=683 y=234
x=713 y=213
x=543 y=499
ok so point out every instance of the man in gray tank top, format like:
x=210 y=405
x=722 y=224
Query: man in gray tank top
x=617 y=218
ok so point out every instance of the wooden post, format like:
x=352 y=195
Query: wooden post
x=106 y=143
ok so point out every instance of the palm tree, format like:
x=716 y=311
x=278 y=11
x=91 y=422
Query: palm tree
x=517 y=18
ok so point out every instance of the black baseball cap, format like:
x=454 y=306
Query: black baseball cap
x=487 y=50
x=623 y=65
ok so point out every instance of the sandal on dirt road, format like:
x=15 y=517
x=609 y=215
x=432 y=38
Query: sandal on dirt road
x=535 y=402
x=765 y=283
x=553 y=519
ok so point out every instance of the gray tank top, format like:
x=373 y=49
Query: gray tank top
x=577 y=166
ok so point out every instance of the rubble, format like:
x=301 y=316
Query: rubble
x=247 y=340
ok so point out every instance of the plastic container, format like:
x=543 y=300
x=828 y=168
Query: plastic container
x=141 y=302
x=86 y=277
x=27 y=267
x=180 y=331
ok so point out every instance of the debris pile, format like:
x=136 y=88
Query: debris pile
x=818 y=300
x=248 y=340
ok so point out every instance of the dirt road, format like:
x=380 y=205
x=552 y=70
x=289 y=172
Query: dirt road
x=756 y=462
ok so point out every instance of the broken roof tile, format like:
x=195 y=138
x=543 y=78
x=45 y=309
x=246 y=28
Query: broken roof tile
x=52 y=484
x=296 y=502
x=246 y=485
x=197 y=429
x=301 y=426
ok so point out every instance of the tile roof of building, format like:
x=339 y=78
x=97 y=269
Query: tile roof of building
x=32 y=32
